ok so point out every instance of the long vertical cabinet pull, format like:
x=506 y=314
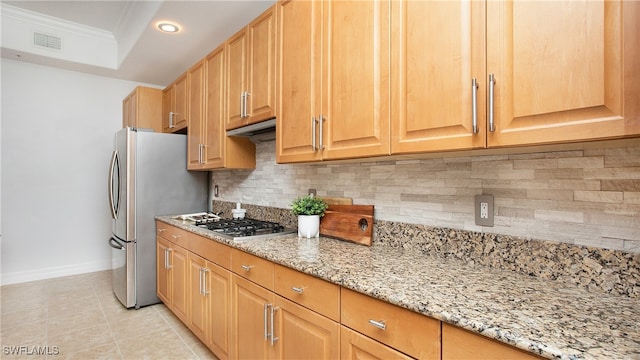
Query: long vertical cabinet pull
x=474 y=105
x=203 y=281
x=313 y=134
x=321 y=145
x=171 y=115
x=167 y=262
x=266 y=326
x=246 y=100
x=273 y=338
x=492 y=83
x=242 y=105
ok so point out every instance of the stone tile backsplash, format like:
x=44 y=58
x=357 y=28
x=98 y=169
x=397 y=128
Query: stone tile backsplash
x=588 y=197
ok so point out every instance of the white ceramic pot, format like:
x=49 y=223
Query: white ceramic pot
x=309 y=226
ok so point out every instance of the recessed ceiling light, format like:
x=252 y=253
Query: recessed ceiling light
x=168 y=27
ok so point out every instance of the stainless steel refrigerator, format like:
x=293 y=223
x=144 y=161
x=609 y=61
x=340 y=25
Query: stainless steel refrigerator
x=147 y=177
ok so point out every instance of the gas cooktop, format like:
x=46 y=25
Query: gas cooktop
x=238 y=229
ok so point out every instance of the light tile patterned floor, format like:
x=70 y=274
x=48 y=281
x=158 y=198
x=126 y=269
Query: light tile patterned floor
x=78 y=317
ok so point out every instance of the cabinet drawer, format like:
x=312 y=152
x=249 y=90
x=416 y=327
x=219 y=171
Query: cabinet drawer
x=308 y=291
x=409 y=332
x=173 y=234
x=215 y=252
x=253 y=268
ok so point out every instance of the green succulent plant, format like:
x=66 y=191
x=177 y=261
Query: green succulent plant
x=308 y=205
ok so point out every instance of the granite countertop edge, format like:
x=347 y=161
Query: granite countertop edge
x=544 y=317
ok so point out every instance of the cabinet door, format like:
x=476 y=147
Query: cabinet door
x=437 y=49
x=195 y=80
x=163 y=283
x=261 y=67
x=129 y=110
x=214 y=133
x=249 y=320
x=302 y=332
x=355 y=73
x=573 y=78
x=236 y=52
x=298 y=86
x=179 y=282
x=355 y=346
x=181 y=103
x=168 y=106
x=219 y=280
x=199 y=297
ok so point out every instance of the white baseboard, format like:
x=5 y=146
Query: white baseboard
x=53 y=272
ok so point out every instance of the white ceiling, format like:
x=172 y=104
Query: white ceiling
x=119 y=38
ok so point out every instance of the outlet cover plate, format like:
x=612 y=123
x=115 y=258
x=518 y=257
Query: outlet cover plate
x=487 y=200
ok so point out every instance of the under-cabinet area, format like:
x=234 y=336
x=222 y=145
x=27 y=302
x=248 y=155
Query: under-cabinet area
x=345 y=300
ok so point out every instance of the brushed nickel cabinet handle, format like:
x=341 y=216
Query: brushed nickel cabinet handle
x=321 y=145
x=266 y=326
x=171 y=121
x=246 y=101
x=474 y=105
x=273 y=338
x=313 y=134
x=492 y=83
x=246 y=267
x=380 y=324
x=299 y=290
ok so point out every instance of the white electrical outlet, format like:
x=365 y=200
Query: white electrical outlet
x=484 y=210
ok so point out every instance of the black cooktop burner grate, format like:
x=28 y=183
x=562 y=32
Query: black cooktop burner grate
x=241 y=227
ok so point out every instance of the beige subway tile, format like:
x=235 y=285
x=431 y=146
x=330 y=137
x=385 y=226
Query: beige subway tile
x=514 y=212
x=560 y=216
x=598 y=196
x=621 y=185
x=612 y=173
x=559 y=174
x=593 y=185
x=516 y=174
x=550 y=194
x=601 y=218
x=631 y=197
x=535 y=164
x=582 y=162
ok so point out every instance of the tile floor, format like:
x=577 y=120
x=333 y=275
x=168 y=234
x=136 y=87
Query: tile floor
x=78 y=317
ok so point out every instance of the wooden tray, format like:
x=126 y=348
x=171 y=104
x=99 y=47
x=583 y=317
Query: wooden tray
x=348 y=222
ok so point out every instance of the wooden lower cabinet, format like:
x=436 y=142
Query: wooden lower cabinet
x=460 y=344
x=209 y=291
x=250 y=324
x=304 y=334
x=355 y=346
x=172 y=272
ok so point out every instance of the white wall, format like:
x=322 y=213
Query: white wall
x=57 y=137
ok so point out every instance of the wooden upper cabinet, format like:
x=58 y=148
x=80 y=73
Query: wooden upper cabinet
x=142 y=109
x=437 y=49
x=214 y=149
x=174 y=106
x=196 y=128
x=298 y=85
x=333 y=99
x=574 y=76
x=251 y=72
x=355 y=115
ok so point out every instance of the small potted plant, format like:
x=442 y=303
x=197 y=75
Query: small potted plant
x=309 y=210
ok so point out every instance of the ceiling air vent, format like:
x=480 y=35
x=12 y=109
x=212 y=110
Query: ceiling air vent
x=47 y=41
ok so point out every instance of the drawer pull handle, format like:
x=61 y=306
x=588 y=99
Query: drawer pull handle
x=299 y=290
x=176 y=236
x=379 y=324
x=246 y=267
x=161 y=230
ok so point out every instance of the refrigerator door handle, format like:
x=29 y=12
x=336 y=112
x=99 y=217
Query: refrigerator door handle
x=114 y=244
x=112 y=201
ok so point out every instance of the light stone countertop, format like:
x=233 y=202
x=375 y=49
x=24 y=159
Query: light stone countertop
x=548 y=318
